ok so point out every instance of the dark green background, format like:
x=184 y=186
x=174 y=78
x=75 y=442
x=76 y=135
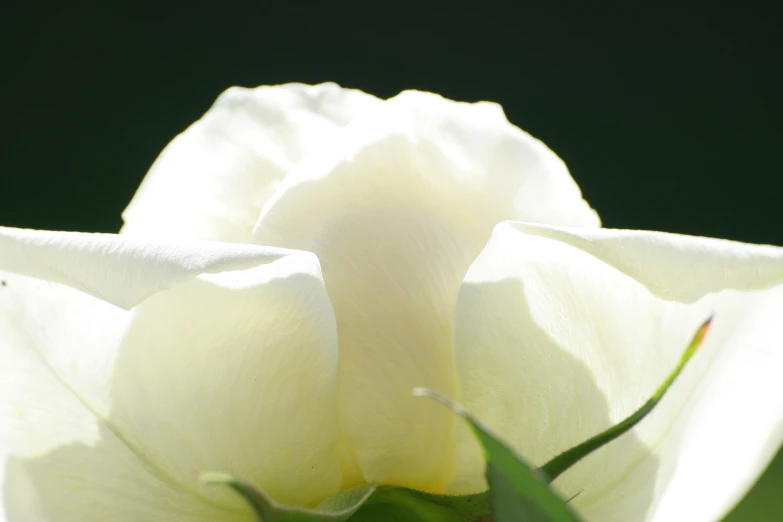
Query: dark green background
x=669 y=119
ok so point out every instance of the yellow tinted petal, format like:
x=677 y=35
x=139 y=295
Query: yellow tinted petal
x=396 y=211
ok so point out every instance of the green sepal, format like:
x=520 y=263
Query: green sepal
x=517 y=492
x=368 y=503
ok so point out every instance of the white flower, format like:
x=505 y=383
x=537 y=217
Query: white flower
x=302 y=257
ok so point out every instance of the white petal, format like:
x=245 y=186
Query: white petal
x=673 y=266
x=396 y=210
x=212 y=180
x=58 y=460
x=121 y=270
x=733 y=426
x=233 y=370
x=247 y=364
x=554 y=345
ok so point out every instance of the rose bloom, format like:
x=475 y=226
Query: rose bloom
x=302 y=257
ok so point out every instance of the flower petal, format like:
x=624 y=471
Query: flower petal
x=733 y=426
x=674 y=266
x=212 y=180
x=396 y=210
x=58 y=460
x=554 y=345
x=247 y=363
x=120 y=270
x=233 y=369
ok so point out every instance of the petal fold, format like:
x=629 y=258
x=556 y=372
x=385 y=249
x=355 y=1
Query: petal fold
x=121 y=270
x=673 y=266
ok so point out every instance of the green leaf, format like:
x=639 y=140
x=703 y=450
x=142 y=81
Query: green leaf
x=552 y=469
x=517 y=493
x=369 y=503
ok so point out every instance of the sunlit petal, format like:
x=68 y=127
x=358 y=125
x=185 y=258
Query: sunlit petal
x=212 y=180
x=228 y=363
x=554 y=345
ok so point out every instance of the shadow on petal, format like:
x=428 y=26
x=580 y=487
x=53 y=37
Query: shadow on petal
x=82 y=483
x=541 y=399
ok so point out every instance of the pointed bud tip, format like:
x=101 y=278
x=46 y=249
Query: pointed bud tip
x=701 y=334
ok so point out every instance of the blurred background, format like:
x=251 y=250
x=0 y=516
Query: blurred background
x=667 y=119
